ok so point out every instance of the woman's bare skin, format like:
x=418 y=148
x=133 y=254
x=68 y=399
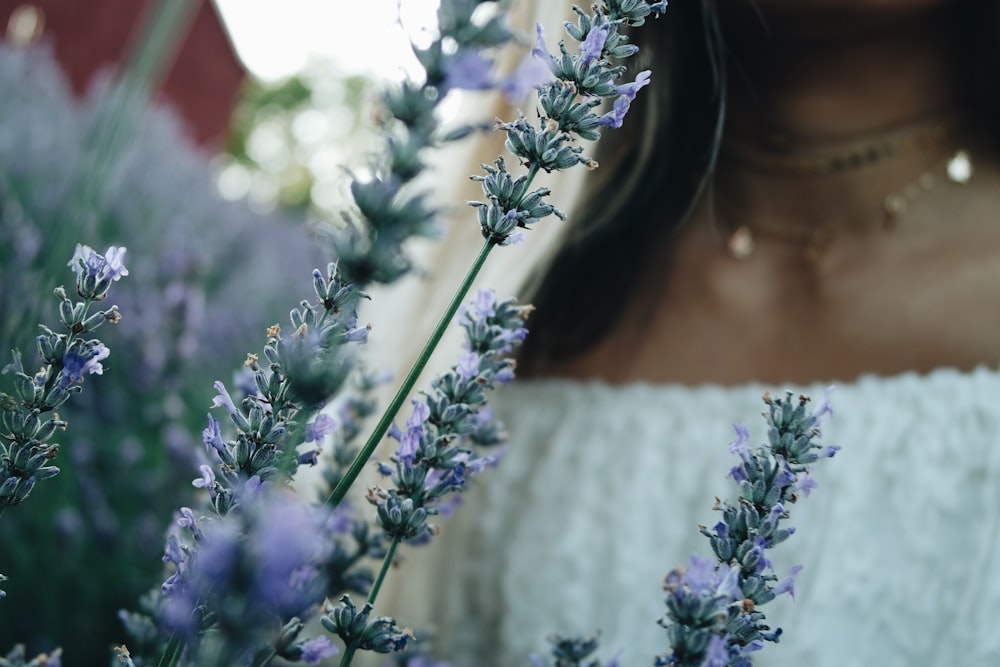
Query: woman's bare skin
x=922 y=296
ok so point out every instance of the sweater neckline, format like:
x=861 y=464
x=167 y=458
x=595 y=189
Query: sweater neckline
x=866 y=381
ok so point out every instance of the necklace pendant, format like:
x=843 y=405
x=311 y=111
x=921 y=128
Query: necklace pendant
x=740 y=243
x=959 y=168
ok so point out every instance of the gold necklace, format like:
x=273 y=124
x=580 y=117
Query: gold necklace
x=958 y=169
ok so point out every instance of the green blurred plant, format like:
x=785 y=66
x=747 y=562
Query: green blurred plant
x=289 y=138
x=128 y=452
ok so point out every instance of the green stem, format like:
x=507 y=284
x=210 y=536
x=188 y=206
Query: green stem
x=171 y=652
x=386 y=562
x=532 y=172
x=345 y=660
x=264 y=660
x=411 y=379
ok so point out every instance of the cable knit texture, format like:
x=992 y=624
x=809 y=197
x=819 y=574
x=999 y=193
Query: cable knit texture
x=603 y=487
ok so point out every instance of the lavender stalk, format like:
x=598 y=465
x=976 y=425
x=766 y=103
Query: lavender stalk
x=428 y=467
x=434 y=459
x=713 y=607
x=579 y=85
x=67 y=358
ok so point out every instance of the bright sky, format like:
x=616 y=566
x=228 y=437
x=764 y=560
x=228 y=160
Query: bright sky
x=275 y=39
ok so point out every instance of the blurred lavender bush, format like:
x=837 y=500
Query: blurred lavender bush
x=212 y=276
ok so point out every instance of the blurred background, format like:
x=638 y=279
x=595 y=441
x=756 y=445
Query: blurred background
x=212 y=139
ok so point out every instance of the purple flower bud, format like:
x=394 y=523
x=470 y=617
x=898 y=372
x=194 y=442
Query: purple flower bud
x=359 y=334
x=828 y=452
x=824 y=407
x=785 y=477
x=468 y=366
x=223 y=399
x=717 y=654
x=804 y=484
x=630 y=90
x=115 y=262
x=626 y=94
x=173 y=553
x=740 y=446
x=76 y=365
x=315 y=650
x=309 y=458
x=593 y=45
x=505 y=375
x=530 y=74
x=421 y=413
x=468 y=70
x=207 y=479
x=787 y=585
x=516 y=237
x=110 y=266
x=212 y=436
x=409 y=444
x=320 y=427
x=540 y=49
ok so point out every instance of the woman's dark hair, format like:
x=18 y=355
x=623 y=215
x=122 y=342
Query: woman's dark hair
x=667 y=151
x=659 y=164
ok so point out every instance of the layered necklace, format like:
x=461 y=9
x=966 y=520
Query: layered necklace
x=775 y=154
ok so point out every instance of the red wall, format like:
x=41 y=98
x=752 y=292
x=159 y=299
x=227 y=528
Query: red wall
x=202 y=84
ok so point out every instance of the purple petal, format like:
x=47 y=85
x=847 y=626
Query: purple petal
x=787 y=585
x=468 y=70
x=530 y=74
x=115 y=262
x=593 y=45
x=740 y=446
x=223 y=399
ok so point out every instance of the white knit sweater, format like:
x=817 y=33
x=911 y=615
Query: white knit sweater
x=602 y=488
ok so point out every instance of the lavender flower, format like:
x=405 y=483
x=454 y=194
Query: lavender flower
x=431 y=461
x=713 y=608
x=200 y=263
x=88 y=362
x=96 y=272
x=568 y=103
x=572 y=652
x=593 y=45
x=25 y=452
x=468 y=69
x=248 y=573
x=388 y=211
x=319 y=428
x=530 y=74
x=254 y=545
x=361 y=632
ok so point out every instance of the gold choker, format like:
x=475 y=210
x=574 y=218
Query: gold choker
x=775 y=150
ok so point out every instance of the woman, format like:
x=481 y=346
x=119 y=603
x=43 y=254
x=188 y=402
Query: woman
x=808 y=199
